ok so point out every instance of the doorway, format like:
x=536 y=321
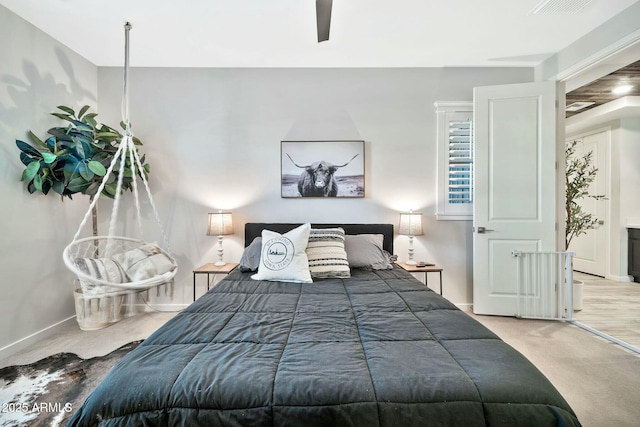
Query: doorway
x=591 y=248
x=602 y=251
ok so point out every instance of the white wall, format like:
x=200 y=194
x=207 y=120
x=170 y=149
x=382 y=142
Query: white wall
x=213 y=138
x=36 y=74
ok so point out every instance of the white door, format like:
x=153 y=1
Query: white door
x=514 y=187
x=590 y=248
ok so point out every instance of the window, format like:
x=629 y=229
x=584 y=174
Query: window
x=455 y=160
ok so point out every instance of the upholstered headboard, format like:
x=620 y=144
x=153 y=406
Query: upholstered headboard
x=254 y=229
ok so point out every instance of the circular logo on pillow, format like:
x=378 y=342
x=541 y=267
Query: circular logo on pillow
x=277 y=253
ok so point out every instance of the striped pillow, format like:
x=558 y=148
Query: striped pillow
x=102 y=269
x=326 y=254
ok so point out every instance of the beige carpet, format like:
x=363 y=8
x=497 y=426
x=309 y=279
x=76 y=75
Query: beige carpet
x=600 y=380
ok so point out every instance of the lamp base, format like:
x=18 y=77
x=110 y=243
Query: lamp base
x=219 y=263
x=411 y=262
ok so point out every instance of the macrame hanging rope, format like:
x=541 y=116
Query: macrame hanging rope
x=126 y=147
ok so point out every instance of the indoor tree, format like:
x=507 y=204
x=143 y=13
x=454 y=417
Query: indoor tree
x=75 y=158
x=579 y=176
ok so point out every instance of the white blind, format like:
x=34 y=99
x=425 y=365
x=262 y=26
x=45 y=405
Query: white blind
x=460 y=183
x=455 y=160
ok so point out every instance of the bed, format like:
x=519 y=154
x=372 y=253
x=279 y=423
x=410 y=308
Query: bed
x=377 y=348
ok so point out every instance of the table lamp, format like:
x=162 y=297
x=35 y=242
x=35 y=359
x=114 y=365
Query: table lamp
x=220 y=224
x=410 y=225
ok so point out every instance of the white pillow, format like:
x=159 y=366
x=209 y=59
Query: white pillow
x=283 y=256
x=144 y=262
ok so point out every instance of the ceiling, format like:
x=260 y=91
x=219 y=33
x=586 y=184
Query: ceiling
x=282 y=33
x=601 y=91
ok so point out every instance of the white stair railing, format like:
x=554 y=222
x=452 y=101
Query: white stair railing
x=545 y=285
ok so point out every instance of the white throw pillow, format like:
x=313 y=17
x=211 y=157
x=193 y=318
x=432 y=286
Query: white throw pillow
x=144 y=262
x=283 y=256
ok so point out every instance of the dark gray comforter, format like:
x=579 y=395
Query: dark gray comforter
x=378 y=349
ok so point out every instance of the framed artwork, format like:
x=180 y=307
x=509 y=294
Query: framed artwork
x=322 y=169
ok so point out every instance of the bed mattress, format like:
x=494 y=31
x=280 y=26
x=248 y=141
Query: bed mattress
x=378 y=349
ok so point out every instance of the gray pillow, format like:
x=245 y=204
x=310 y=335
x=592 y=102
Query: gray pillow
x=250 y=259
x=365 y=251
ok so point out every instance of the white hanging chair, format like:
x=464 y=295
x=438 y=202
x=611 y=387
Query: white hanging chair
x=114 y=264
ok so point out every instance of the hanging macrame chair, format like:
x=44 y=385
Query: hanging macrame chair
x=114 y=264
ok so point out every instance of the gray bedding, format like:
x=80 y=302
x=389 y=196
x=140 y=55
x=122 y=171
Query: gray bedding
x=378 y=349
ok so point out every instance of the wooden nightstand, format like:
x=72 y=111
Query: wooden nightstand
x=426 y=270
x=209 y=269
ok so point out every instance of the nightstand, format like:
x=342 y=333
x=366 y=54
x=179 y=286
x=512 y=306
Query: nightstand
x=426 y=270
x=209 y=269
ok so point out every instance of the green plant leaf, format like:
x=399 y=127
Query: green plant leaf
x=111 y=188
x=63 y=116
x=77 y=185
x=28 y=149
x=58 y=187
x=51 y=144
x=70 y=169
x=102 y=157
x=97 y=168
x=60 y=134
x=25 y=159
x=49 y=158
x=67 y=110
x=92 y=122
x=107 y=135
x=84 y=127
x=31 y=170
x=92 y=189
x=37 y=182
x=46 y=186
x=85 y=172
x=82 y=111
x=34 y=138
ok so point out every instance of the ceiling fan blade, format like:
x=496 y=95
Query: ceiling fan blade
x=323 y=17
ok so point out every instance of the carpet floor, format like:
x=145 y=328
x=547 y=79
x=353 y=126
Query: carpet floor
x=599 y=379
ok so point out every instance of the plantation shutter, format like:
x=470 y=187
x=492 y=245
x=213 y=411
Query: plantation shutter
x=455 y=160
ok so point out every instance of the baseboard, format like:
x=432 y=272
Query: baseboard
x=34 y=338
x=147 y=308
x=623 y=279
x=464 y=306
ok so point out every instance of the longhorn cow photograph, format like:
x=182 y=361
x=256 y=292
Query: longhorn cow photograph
x=322 y=169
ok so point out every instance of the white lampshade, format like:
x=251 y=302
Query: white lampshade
x=410 y=224
x=220 y=223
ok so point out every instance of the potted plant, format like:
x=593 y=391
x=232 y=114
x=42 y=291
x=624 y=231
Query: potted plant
x=74 y=159
x=579 y=175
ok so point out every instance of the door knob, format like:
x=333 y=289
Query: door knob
x=482 y=230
